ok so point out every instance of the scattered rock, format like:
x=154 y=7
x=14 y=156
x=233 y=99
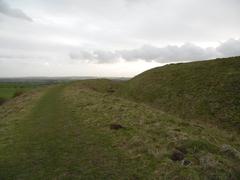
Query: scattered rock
x=186 y=162
x=225 y=148
x=116 y=126
x=177 y=155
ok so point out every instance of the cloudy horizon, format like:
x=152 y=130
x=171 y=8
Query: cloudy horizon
x=113 y=37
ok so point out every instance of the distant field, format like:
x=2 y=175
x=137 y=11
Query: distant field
x=9 y=87
x=7 y=90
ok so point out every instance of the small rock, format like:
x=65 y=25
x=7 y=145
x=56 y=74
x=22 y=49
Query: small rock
x=186 y=162
x=116 y=126
x=177 y=155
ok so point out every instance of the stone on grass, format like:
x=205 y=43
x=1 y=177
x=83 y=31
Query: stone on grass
x=177 y=155
x=186 y=162
x=116 y=126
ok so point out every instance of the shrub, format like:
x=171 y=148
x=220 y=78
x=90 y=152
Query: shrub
x=17 y=93
x=2 y=101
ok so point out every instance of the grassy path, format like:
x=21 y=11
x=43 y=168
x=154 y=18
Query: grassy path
x=51 y=144
x=62 y=132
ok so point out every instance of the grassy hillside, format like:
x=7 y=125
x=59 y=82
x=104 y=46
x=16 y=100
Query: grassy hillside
x=87 y=130
x=64 y=132
x=206 y=90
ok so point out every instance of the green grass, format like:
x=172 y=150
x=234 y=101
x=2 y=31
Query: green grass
x=51 y=143
x=206 y=90
x=63 y=131
x=7 y=90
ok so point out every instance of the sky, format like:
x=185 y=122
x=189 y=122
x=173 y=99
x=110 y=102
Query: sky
x=119 y=38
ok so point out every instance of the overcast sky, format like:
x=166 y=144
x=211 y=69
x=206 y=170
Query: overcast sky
x=113 y=37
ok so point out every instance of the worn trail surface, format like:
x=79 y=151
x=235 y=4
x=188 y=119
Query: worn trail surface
x=51 y=143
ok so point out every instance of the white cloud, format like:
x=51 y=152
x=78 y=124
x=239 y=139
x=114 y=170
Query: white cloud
x=103 y=34
x=170 y=53
x=186 y=52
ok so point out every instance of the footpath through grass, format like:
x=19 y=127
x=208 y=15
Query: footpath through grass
x=50 y=143
x=63 y=132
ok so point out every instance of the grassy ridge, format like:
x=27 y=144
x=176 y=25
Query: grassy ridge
x=207 y=90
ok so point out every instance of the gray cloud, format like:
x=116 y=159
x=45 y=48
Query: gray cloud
x=167 y=54
x=83 y=55
x=12 y=12
x=186 y=52
x=97 y=56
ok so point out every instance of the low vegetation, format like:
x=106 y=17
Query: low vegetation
x=208 y=91
x=17 y=93
x=92 y=129
x=10 y=90
x=2 y=100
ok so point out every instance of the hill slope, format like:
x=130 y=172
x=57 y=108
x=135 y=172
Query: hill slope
x=63 y=132
x=207 y=90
